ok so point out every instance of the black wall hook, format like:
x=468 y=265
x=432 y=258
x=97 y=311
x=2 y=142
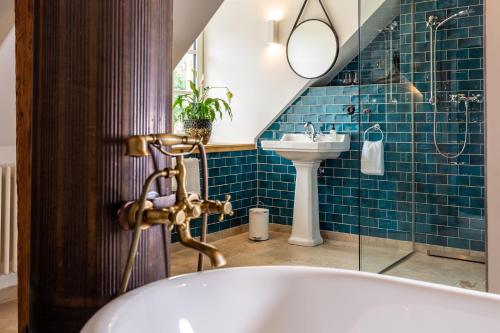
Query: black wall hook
x=351 y=109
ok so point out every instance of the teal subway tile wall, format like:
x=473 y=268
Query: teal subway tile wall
x=422 y=195
x=383 y=203
x=449 y=193
x=443 y=199
x=231 y=173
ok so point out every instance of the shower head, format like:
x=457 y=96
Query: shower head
x=465 y=12
x=393 y=26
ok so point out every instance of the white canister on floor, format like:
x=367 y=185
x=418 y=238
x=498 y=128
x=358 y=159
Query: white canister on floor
x=259 y=224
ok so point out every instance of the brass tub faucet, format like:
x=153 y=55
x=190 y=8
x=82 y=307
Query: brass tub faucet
x=143 y=213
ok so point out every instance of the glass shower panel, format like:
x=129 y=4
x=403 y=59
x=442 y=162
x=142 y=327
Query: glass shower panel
x=449 y=125
x=421 y=71
x=387 y=97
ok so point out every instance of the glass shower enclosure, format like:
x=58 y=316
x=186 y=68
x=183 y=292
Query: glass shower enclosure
x=420 y=131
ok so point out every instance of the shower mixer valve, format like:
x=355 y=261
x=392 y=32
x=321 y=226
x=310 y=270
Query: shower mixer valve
x=458 y=98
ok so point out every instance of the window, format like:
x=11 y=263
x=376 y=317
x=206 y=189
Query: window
x=183 y=73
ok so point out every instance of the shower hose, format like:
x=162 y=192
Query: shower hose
x=434 y=102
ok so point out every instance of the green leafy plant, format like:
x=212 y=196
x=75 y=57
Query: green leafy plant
x=198 y=105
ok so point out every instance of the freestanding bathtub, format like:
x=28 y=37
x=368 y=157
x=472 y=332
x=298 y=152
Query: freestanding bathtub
x=296 y=299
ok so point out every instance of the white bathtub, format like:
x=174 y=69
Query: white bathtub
x=297 y=299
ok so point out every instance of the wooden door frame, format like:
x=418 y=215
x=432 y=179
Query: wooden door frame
x=27 y=48
x=24 y=108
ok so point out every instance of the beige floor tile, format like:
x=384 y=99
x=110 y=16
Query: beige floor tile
x=240 y=251
x=8 y=317
x=450 y=272
x=8 y=294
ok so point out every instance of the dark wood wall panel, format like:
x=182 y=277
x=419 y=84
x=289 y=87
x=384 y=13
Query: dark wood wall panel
x=102 y=72
x=24 y=101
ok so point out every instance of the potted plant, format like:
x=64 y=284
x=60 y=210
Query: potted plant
x=197 y=110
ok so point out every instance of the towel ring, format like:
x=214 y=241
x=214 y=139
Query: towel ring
x=375 y=127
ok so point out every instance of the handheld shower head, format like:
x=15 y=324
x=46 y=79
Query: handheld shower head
x=433 y=20
x=465 y=12
x=393 y=26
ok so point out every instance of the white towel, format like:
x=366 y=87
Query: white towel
x=193 y=175
x=372 y=158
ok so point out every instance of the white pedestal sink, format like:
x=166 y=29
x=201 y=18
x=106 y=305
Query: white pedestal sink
x=306 y=156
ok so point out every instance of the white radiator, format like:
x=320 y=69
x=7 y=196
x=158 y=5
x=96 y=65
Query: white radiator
x=8 y=219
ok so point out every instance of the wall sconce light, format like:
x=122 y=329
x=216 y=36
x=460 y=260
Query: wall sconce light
x=272 y=32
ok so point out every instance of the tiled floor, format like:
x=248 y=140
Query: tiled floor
x=450 y=272
x=240 y=251
x=8 y=317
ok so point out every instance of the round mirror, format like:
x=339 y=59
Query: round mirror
x=312 y=49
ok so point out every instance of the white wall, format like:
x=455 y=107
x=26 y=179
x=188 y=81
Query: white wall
x=238 y=56
x=7 y=98
x=190 y=18
x=7 y=81
x=492 y=24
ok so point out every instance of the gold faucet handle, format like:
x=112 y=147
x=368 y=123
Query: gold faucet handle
x=226 y=208
x=193 y=210
x=218 y=207
x=177 y=216
x=127 y=215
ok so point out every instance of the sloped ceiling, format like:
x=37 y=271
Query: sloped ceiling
x=237 y=55
x=190 y=18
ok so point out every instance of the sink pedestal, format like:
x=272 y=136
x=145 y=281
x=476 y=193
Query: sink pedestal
x=306 y=155
x=305 y=229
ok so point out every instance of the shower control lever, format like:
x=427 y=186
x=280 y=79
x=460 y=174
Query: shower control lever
x=477 y=98
x=458 y=98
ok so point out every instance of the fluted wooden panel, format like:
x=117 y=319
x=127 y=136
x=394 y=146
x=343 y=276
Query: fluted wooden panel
x=24 y=106
x=102 y=73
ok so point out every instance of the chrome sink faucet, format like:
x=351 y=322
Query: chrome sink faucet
x=310 y=131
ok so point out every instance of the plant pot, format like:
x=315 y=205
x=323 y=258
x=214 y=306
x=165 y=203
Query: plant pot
x=198 y=128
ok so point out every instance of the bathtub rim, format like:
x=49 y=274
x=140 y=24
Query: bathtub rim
x=122 y=301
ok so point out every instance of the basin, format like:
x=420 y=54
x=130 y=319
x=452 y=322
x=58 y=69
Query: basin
x=307 y=155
